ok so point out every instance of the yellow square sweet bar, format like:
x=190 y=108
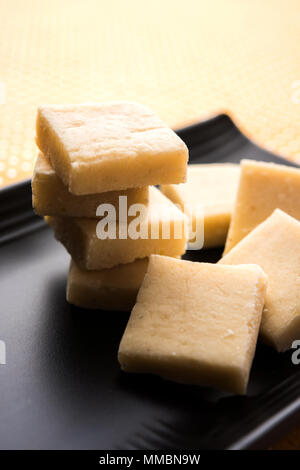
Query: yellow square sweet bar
x=108 y=289
x=212 y=189
x=110 y=146
x=51 y=197
x=165 y=233
x=263 y=188
x=195 y=323
x=275 y=246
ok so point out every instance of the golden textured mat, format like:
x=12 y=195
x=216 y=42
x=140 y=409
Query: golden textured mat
x=185 y=59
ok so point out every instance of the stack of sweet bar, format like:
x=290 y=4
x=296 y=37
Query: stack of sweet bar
x=192 y=322
x=203 y=327
x=98 y=162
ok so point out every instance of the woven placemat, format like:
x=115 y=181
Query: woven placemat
x=186 y=60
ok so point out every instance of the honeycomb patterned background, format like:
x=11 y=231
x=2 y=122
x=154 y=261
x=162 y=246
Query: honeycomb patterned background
x=185 y=59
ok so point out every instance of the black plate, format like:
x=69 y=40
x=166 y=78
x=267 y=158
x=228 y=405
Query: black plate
x=62 y=387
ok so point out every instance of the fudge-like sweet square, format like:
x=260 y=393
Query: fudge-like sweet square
x=263 y=188
x=102 y=147
x=275 y=246
x=51 y=197
x=195 y=323
x=162 y=229
x=108 y=289
x=212 y=189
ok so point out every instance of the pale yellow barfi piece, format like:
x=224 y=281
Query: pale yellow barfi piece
x=195 y=323
x=263 y=188
x=213 y=188
x=108 y=289
x=102 y=147
x=51 y=197
x=275 y=246
x=80 y=236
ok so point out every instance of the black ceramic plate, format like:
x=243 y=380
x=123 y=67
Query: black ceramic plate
x=62 y=387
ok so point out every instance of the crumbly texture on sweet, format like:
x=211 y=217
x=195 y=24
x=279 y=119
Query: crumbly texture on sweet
x=109 y=146
x=108 y=289
x=195 y=323
x=208 y=196
x=275 y=246
x=51 y=197
x=79 y=236
x=263 y=188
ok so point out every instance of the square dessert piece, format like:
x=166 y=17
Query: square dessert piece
x=208 y=196
x=263 y=188
x=195 y=323
x=95 y=148
x=51 y=197
x=275 y=246
x=162 y=229
x=108 y=289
